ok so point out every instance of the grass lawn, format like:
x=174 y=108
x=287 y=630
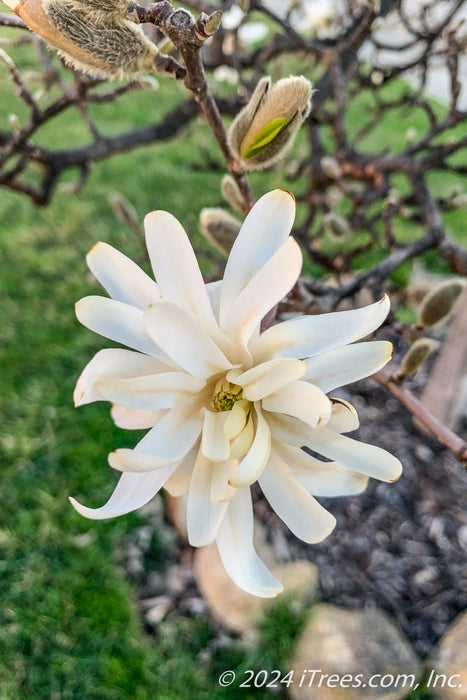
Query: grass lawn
x=69 y=626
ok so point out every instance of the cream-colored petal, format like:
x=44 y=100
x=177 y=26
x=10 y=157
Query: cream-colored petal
x=119 y=322
x=175 y=434
x=307 y=336
x=268 y=377
x=264 y=230
x=366 y=459
x=347 y=364
x=176 y=268
x=134 y=419
x=318 y=477
x=236 y=418
x=123 y=279
x=126 y=460
x=301 y=400
x=151 y=391
x=257 y=456
x=242 y=443
x=344 y=417
x=235 y=544
x=113 y=362
x=132 y=492
x=202 y=515
x=270 y=284
x=179 y=483
x=221 y=490
x=183 y=339
x=214 y=444
x=302 y=513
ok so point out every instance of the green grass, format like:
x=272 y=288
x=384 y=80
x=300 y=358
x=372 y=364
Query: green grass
x=69 y=626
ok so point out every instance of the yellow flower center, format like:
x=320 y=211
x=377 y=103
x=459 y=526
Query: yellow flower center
x=225 y=395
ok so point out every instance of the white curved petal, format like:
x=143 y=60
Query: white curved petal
x=347 y=364
x=264 y=379
x=214 y=293
x=235 y=544
x=119 y=322
x=270 y=284
x=257 y=456
x=175 y=434
x=183 y=339
x=221 y=490
x=307 y=336
x=214 y=444
x=243 y=441
x=151 y=391
x=344 y=417
x=123 y=279
x=302 y=513
x=320 y=478
x=176 y=268
x=301 y=400
x=202 y=515
x=132 y=491
x=264 y=231
x=112 y=362
x=366 y=459
x=288 y=429
x=179 y=483
x=134 y=419
x=126 y=460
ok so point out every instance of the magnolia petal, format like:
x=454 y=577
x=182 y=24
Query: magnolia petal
x=264 y=230
x=347 y=364
x=302 y=400
x=320 y=478
x=179 y=482
x=151 y=391
x=344 y=417
x=268 y=377
x=119 y=322
x=123 y=279
x=270 y=284
x=221 y=490
x=214 y=293
x=132 y=492
x=176 y=268
x=288 y=429
x=257 y=456
x=183 y=339
x=214 y=444
x=203 y=516
x=126 y=460
x=242 y=443
x=235 y=544
x=366 y=459
x=134 y=419
x=307 y=336
x=302 y=513
x=112 y=362
x=175 y=434
x=236 y=418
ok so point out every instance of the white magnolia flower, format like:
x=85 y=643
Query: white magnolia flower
x=227 y=405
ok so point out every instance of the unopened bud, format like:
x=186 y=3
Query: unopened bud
x=265 y=129
x=244 y=5
x=231 y=193
x=460 y=201
x=331 y=167
x=335 y=225
x=439 y=303
x=415 y=357
x=14 y=122
x=92 y=35
x=124 y=210
x=220 y=228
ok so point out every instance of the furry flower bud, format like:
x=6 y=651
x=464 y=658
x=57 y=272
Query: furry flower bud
x=439 y=303
x=415 y=357
x=335 y=225
x=93 y=35
x=220 y=228
x=231 y=193
x=266 y=127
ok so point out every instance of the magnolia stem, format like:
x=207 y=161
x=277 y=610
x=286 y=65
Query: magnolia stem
x=446 y=436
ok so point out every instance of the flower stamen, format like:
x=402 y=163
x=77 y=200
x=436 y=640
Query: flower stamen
x=225 y=395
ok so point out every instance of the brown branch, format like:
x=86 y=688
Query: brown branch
x=446 y=436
